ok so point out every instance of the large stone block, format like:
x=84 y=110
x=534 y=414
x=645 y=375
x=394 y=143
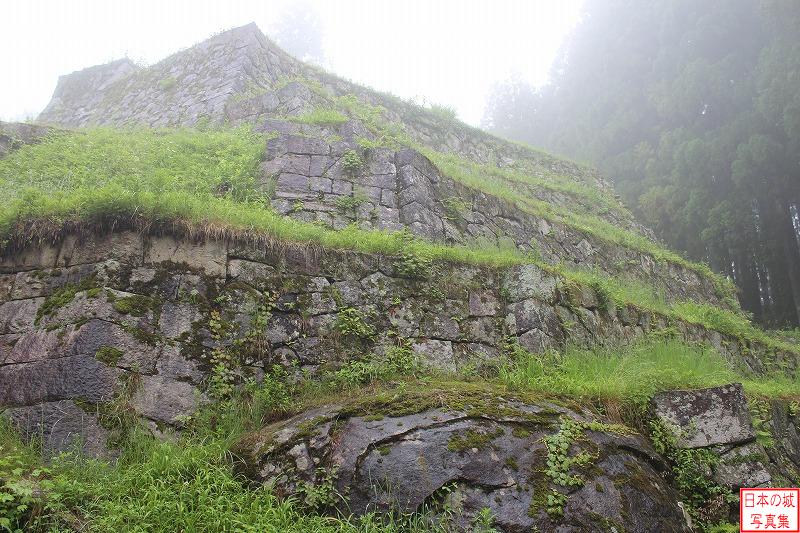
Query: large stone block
x=66 y=378
x=706 y=417
x=126 y=246
x=487 y=460
x=18 y=316
x=31 y=258
x=529 y=281
x=208 y=256
x=165 y=400
x=61 y=425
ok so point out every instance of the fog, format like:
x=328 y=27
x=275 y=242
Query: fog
x=448 y=52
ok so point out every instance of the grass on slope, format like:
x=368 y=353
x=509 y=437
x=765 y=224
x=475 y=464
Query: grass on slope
x=495 y=181
x=186 y=485
x=203 y=184
x=200 y=164
x=500 y=183
x=632 y=374
x=485 y=178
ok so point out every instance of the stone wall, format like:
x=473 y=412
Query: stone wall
x=186 y=87
x=83 y=323
x=306 y=179
x=240 y=77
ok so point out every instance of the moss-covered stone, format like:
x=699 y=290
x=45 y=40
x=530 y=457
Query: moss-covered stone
x=63 y=296
x=136 y=305
x=473 y=439
x=108 y=355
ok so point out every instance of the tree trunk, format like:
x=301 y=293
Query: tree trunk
x=791 y=254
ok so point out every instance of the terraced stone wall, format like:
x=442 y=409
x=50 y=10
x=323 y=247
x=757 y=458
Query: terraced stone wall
x=136 y=319
x=308 y=179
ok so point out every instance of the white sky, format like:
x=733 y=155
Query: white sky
x=444 y=51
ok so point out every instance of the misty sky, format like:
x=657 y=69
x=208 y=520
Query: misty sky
x=446 y=51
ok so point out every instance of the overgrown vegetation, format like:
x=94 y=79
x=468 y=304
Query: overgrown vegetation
x=705 y=501
x=187 y=483
x=321 y=117
x=561 y=462
x=203 y=184
x=190 y=484
x=627 y=376
x=78 y=167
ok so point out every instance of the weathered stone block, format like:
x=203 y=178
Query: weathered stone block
x=177 y=318
x=743 y=466
x=483 y=303
x=31 y=258
x=435 y=353
x=61 y=425
x=209 y=256
x=65 y=378
x=292 y=182
x=18 y=316
x=165 y=400
x=250 y=271
x=529 y=281
x=706 y=417
x=126 y=247
x=487 y=461
x=296 y=144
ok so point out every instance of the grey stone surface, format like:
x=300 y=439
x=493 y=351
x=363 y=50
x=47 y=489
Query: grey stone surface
x=485 y=461
x=166 y=400
x=743 y=466
x=705 y=417
x=61 y=425
x=448 y=319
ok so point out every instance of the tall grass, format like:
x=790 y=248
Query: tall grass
x=206 y=164
x=321 y=116
x=632 y=374
x=188 y=484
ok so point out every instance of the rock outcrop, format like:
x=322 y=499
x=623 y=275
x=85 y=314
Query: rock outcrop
x=467 y=451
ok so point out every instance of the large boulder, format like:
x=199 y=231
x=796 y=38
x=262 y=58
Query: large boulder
x=717 y=418
x=705 y=417
x=533 y=464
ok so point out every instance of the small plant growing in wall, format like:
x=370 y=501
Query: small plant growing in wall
x=352 y=163
x=411 y=264
x=165 y=84
x=221 y=381
x=350 y=322
x=705 y=500
x=349 y=203
x=560 y=462
x=455 y=208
